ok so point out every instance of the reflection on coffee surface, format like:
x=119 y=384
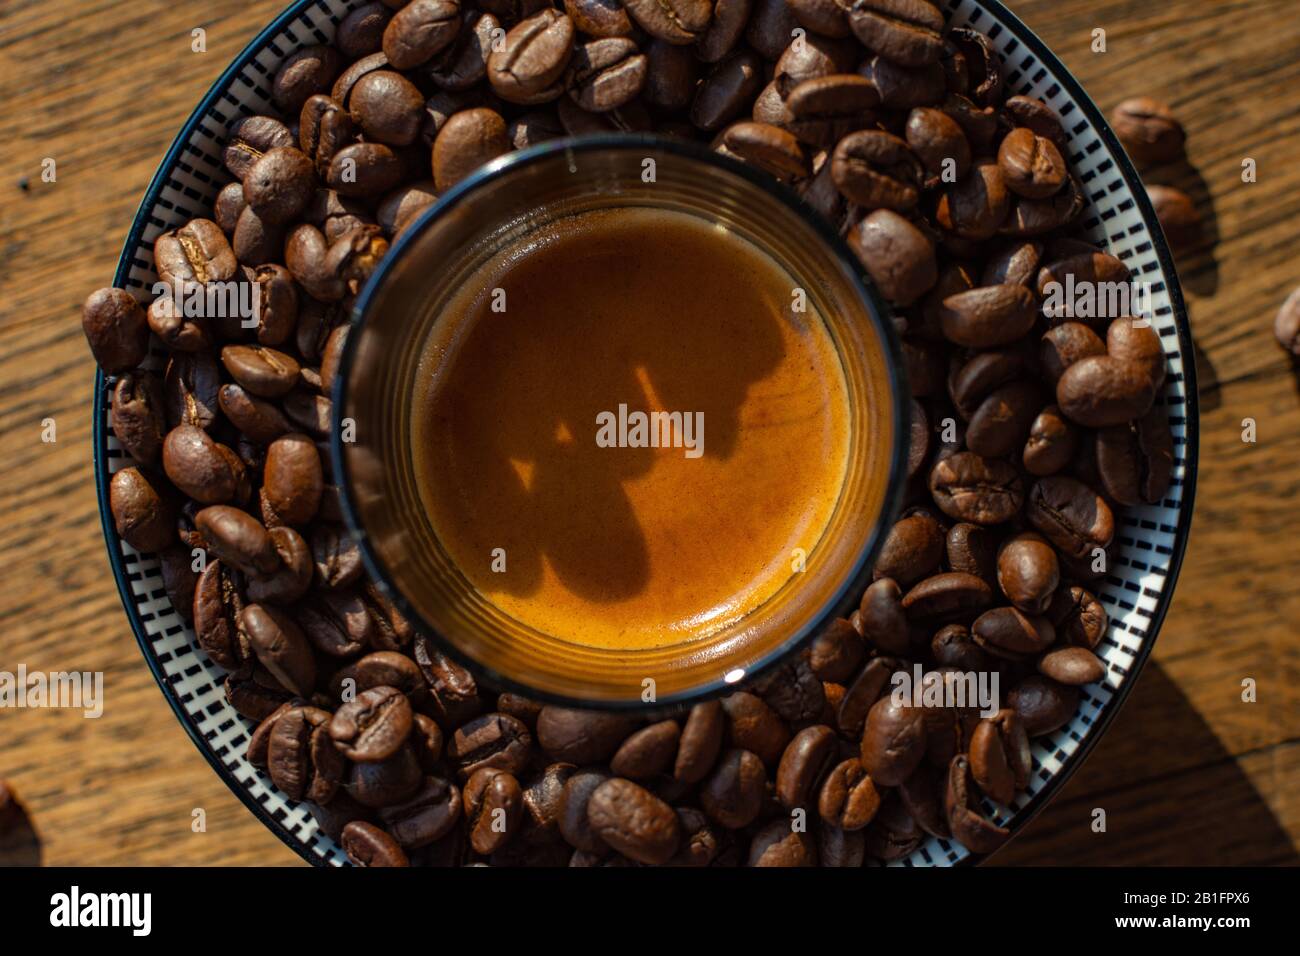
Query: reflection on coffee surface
x=632 y=426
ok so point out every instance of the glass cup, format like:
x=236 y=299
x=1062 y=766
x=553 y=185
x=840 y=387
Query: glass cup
x=400 y=308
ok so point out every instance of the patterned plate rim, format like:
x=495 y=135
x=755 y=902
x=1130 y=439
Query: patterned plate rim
x=1190 y=408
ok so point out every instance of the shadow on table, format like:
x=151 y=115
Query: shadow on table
x=19 y=843
x=1172 y=795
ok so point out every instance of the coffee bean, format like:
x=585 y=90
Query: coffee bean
x=293 y=479
x=420 y=30
x=303 y=73
x=490 y=740
x=977 y=206
x=1001 y=423
x=904 y=31
x=281 y=647
x=983 y=374
x=371 y=728
x=938 y=141
x=883 y=623
x=974 y=831
x=387 y=106
x=893 y=741
x=364 y=170
x=494 y=809
x=1071 y=515
x=1052 y=443
x=207 y=471
x=293 y=573
x=336 y=624
x=581 y=736
x=1073 y=666
x=984 y=491
x=700 y=742
x=279 y=185
x=779 y=844
x=633 y=821
x=837 y=652
x=301 y=758
x=142 y=513
x=604 y=74
x=468 y=140
x=770 y=28
x=733 y=793
x=823 y=109
x=804 y=764
x=848 y=799
x=1009 y=633
x=1031 y=165
x=897 y=255
x=675 y=21
x=599 y=18
x=941 y=597
x=1066 y=344
x=876 y=170
x=727 y=90
x=862 y=693
x=1148 y=130
x=116 y=329
x=571 y=811
x=755 y=727
x=1028 y=572
x=989 y=316
x=730 y=17
x=1078 y=616
x=770 y=149
x=532 y=58
x=367 y=845
x=263 y=371
x=1042 y=704
x=971 y=549
x=336 y=557
x=389 y=783
x=648 y=752
x=426 y=816
x=238 y=539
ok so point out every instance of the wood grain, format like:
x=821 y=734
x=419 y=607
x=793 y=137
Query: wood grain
x=1188 y=772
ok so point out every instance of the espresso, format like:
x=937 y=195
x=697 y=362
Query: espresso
x=629 y=428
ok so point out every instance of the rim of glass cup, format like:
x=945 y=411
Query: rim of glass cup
x=874 y=304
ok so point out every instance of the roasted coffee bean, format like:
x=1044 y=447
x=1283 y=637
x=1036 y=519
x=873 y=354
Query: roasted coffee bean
x=142 y=512
x=207 y=471
x=883 y=623
x=1002 y=422
x=293 y=479
x=978 y=490
x=1133 y=340
x=780 y=844
x=822 y=109
x=804 y=764
x=1073 y=666
x=250 y=688
x=848 y=798
x=238 y=539
x=904 y=31
x=365 y=170
x=386 y=784
x=1066 y=344
x=730 y=17
x=259 y=419
x=648 y=752
x=976 y=833
x=1028 y=572
x=633 y=821
x=1052 y=443
x=336 y=623
x=770 y=28
x=953 y=646
x=599 y=18
x=293 y=573
x=989 y=316
x=1009 y=633
x=427 y=740
x=1078 y=616
x=360 y=33
x=700 y=742
x=972 y=549
x=265 y=372
x=1037 y=217
x=1071 y=515
x=1042 y=704
x=921 y=797
x=675 y=21
x=387 y=106
x=942 y=597
x=303 y=73
x=976 y=207
x=1148 y=130
x=426 y=816
x=420 y=30
x=371 y=728
x=494 y=809
x=876 y=170
x=301 y=758
x=837 y=652
x=468 y=140
x=606 y=73
x=490 y=740
x=862 y=693
x=531 y=60
x=190 y=389
x=897 y=255
x=726 y=92
x=279 y=185
x=893 y=741
x=571 y=810
x=793 y=691
x=1034 y=114
x=367 y=845
x=463 y=64
x=1031 y=165
x=249 y=139
x=453 y=692
x=733 y=793
x=771 y=149
x=281 y=647
x=671 y=74
x=179 y=332
x=1017 y=263
x=938 y=141
x=581 y=736
x=336 y=556
x=754 y=726
x=116 y=329
x=1000 y=759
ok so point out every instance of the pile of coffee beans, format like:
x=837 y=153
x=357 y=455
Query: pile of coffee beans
x=1028 y=431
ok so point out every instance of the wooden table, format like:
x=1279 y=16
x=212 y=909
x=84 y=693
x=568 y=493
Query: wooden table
x=1187 y=774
